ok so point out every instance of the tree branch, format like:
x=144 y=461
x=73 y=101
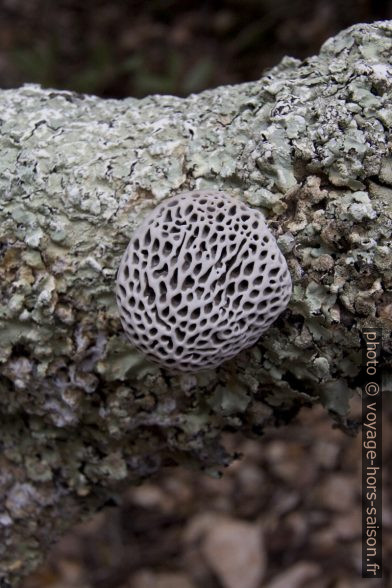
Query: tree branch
x=82 y=413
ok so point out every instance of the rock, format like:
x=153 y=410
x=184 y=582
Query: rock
x=338 y=492
x=235 y=551
x=296 y=576
x=147 y=579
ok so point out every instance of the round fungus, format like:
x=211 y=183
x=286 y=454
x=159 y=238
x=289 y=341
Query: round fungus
x=201 y=279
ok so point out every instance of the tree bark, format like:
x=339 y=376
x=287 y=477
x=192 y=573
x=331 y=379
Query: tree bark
x=82 y=413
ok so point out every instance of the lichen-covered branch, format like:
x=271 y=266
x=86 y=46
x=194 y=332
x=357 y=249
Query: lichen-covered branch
x=81 y=412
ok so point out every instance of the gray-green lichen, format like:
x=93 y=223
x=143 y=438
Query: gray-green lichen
x=81 y=412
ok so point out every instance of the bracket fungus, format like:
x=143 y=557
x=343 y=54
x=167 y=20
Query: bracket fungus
x=201 y=279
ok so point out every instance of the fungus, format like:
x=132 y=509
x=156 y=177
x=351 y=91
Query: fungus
x=201 y=279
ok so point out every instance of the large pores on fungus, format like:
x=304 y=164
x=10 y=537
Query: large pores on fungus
x=201 y=279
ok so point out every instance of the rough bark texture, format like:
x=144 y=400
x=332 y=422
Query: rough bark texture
x=83 y=414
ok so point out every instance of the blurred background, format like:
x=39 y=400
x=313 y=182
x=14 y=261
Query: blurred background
x=118 y=48
x=287 y=515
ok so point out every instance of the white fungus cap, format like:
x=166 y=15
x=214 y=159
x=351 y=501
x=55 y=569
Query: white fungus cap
x=201 y=279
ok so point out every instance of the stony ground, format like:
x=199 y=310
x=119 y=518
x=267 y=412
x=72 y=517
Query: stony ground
x=287 y=515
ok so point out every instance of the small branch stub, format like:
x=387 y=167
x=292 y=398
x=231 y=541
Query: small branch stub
x=201 y=279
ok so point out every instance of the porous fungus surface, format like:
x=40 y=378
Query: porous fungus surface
x=202 y=278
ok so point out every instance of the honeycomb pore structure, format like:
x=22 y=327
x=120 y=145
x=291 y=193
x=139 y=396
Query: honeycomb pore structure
x=201 y=279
